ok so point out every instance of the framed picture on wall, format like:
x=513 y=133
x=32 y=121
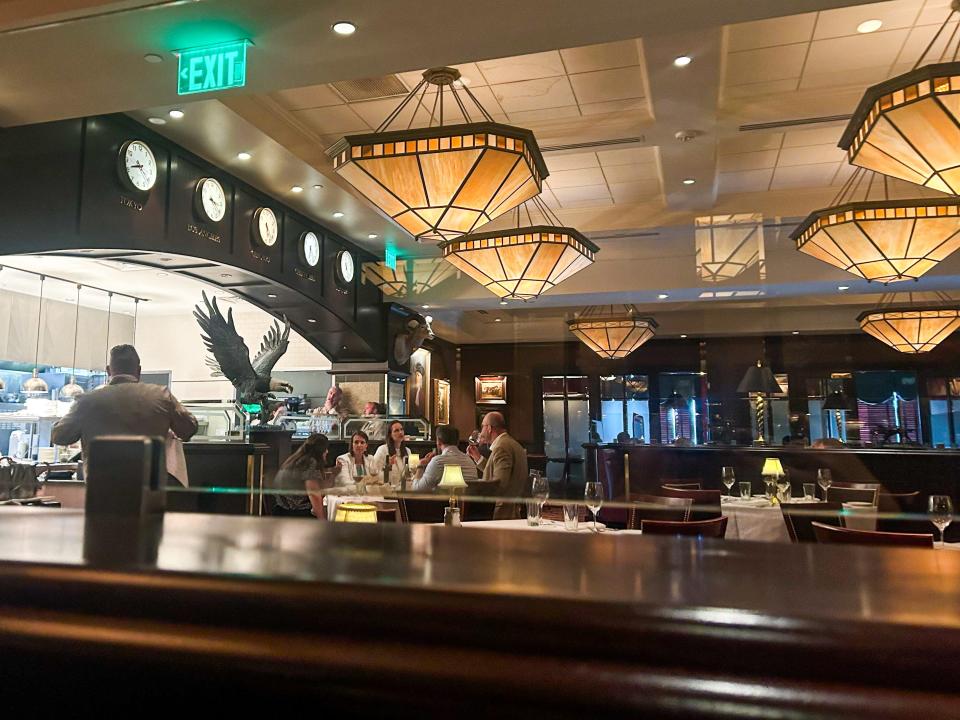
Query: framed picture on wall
x=418 y=384
x=491 y=389
x=441 y=402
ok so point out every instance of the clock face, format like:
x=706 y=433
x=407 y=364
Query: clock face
x=211 y=200
x=310 y=249
x=265 y=226
x=138 y=166
x=345 y=267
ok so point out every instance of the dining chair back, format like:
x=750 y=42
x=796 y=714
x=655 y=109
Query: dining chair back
x=715 y=528
x=679 y=484
x=799 y=516
x=422 y=510
x=845 y=494
x=655 y=507
x=859 y=485
x=893 y=504
x=706 y=503
x=830 y=534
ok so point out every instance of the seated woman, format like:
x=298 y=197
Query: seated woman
x=356 y=464
x=394 y=452
x=303 y=470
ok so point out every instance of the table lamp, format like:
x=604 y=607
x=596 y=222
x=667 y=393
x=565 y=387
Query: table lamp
x=452 y=480
x=772 y=471
x=356 y=512
x=759 y=382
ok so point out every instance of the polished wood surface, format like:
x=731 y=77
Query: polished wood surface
x=421 y=617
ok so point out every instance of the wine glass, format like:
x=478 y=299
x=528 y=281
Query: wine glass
x=539 y=489
x=474 y=438
x=940 y=510
x=783 y=485
x=593 y=498
x=728 y=477
x=824 y=480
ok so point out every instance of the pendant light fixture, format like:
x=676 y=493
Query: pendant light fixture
x=881 y=239
x=612 y=331
x=728 y=245
x=71 y=391
x=36 y=385
x=409 y=277
x=442 y=181
x=912 y=328
x=521 y=263
x=908 y=127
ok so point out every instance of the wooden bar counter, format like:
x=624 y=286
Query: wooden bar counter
x=412 y=619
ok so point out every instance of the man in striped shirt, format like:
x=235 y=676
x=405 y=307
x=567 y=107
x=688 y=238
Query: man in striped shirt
x=449 y=454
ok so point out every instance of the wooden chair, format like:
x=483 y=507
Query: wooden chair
x=859 y=485
x=847 y=494
x=476 y=510
x=715 y=528
x=387 y=511
x=668 y=508
x=893 y=503
x=706 y=503
x=422 y=510
x=679 y=484
x=799 y=516
x=830 y=534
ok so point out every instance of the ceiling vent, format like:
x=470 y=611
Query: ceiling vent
x=370 y=88
x=599 y=143
x=779 y=124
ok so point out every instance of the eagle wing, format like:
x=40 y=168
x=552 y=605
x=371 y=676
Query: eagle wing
x=231 y=358
x=272 y=347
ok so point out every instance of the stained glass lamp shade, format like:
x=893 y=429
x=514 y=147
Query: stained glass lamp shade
x=410 y=277
x=612 y=331
x=913 y=329
x=727 y=245
x=443 y=181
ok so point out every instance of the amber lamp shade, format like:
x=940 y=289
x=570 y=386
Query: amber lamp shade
x=911 y=330
x=409 y=277
x=612 y=331
x=356 y=512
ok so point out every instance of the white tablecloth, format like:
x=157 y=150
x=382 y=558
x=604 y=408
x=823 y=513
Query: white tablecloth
x=747 y=521
x=545 y=526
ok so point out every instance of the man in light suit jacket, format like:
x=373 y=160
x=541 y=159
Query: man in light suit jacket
x=506 y=466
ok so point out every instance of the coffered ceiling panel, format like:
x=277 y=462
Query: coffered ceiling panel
x=894 y=15
x=601 y=57
x=606 y=85
x=522 y=67
x=771 y=33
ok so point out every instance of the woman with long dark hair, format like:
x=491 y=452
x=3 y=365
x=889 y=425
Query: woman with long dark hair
x=356 y=463
x=394 y=452
x=303 y=470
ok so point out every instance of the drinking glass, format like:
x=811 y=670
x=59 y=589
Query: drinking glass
x=745 y=489
x=728 y=477
x=769 y=488
x=783 y=488
x=533 y=513
x=809 y=491
x=825 y=480
x=539 y=491
x=940 y=511
x=593 y=497
x=571 y=518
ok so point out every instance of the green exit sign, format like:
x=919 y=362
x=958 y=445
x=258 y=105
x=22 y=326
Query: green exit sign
x=390 y=256
x=215 y=67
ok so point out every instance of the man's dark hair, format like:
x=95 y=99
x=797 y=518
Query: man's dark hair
x=124 y=360
x=448 y=434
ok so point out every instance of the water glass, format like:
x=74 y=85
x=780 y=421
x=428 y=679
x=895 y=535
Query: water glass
x=593 y=498
x=825 y=480
x=571 y=516
x=809 y=491
x=728 y=477
x=745 y=489
x=940 y=512
x=769 y=489
x=533 y=513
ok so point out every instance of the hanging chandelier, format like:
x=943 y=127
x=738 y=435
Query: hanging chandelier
x=911 y=329
x=71 y=391
x=521 y=263
x=612 y=331
x=409 y=277
x=908 y=127
x=728 y=245
x=882 y=239
x=442 y=181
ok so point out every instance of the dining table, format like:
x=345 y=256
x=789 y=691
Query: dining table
x=583 y=527
x=755 y=518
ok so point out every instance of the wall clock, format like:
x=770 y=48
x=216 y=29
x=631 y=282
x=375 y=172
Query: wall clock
x=309 y=249
x=345 y=268
x=137 y=166
x=210 y=200
x=265 y=227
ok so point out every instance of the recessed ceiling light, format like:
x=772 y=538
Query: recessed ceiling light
x=272 y=296
x=683 y=336
x=175 y=114
x=503 y=302
x=153 y=58
x=425 y=307
x=682 y=61
x=338 y=215
x=344 y=28
x=318 y=187
x=688 y=181
x=311 y=320
x=841 y=288
x=662 y=296
x=372 y=236
x=156 y=121
x=869 y=26
x=796 y=332
x=497 y=320
x=244 y=156
x=296 y=189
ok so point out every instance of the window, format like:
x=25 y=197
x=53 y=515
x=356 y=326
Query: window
x=624 y=407
x=566 y=426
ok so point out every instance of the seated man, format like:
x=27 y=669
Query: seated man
x=375 y=429
x=124 y=406
x=447 y=438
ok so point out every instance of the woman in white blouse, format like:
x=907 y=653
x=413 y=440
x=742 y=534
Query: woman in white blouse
x=393 y=452
x=356 y=463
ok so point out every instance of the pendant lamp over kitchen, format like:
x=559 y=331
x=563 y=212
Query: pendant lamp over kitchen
x=525 y=260
x=36 y=385
x=908 y=127
x=442 y=180
x=879 y=238
x=612 y=331
x=71 y=391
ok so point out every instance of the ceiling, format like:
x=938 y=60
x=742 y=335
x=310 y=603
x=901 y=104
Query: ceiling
x=594 y=81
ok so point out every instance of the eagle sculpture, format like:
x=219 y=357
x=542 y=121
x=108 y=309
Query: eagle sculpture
x=231 y=358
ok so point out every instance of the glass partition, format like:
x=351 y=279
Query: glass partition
x=624 y=408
